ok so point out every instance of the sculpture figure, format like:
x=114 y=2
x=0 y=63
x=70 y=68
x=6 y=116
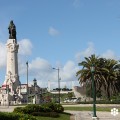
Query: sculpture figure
x=12 y=30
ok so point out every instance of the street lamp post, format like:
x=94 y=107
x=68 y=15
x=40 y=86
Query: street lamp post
x=27 y=81
x=93 y=92
x=58 y=84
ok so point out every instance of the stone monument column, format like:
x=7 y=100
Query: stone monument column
x=12 y=75
x=11 y=83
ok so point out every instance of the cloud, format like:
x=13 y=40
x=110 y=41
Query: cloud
x=86 y=53
x=38 y=68
x=69 y=71
x=41 y=69
x=109 y=54
x=53 y=32
x=25 y=47
x=2 y=55
x=40 y=64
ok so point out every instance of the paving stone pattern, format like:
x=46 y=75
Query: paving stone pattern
x=87 y=115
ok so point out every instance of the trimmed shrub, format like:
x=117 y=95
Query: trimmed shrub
x=59 y=108
x=19 y=110
x=54 y=107
x=46 y=114
x=28 y=109
x=26 y=117
x=31 y=108
x=46 y=108
x=15 y=116
x=8 y=116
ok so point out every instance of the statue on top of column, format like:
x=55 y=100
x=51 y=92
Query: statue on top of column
x=12 y=30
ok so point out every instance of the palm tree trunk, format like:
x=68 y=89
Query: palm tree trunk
x=108 y=91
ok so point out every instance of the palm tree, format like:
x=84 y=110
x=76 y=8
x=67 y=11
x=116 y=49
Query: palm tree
x=110 y=72
x=106 y=76
x=84 y=75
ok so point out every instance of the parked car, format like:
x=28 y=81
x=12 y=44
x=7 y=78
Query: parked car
x=75 y=100
x=71 y=100
x=66 y=100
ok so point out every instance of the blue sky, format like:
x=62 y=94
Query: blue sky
x=59 y=33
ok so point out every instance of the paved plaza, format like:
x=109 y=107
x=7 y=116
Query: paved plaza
x=7 y=108
x=87 y=115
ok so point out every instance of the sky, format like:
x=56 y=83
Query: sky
x=59 y=34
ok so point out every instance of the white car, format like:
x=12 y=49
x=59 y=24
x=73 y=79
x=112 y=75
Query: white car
x=75 y=100
x=66 y=100
x=72 y=100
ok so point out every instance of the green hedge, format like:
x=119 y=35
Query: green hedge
x=15 y=116
x=48 y=107
x=55 y=107
x=8 y=116
x=32 y=108
x=100 y=102
x=46 y=114
x=19 y=110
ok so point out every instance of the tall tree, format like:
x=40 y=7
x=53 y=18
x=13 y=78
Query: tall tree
x=110 y=72
x=84 y=75
x=106 y=76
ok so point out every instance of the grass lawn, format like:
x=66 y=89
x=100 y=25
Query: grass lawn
x=62 y=117
x=89 y=108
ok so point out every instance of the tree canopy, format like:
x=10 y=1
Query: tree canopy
x=106 y=75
